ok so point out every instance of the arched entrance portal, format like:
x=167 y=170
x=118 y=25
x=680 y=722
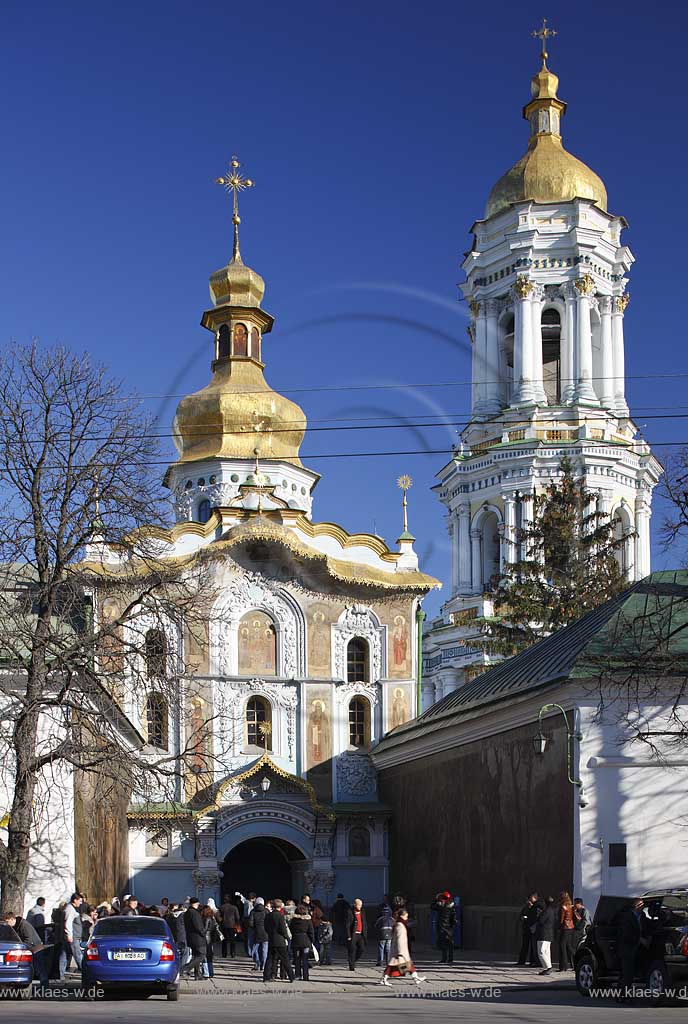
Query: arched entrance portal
x=268 y=866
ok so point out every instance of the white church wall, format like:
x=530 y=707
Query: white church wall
x=634 y=804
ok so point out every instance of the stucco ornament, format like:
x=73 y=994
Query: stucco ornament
x=358 y=620
x=356 y=775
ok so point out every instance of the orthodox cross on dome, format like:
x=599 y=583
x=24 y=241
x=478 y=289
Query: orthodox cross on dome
x=544 y=34
x=404 y=483
x=235 y=182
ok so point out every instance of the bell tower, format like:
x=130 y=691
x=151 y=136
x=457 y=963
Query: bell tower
x=546 y=286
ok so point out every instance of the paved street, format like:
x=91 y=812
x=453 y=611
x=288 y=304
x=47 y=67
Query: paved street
x=476 y=989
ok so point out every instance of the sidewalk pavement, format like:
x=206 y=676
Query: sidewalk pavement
x=472 y=970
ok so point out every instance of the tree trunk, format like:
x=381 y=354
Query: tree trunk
x=16 y=867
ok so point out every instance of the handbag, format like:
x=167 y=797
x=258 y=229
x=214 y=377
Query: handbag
x=315 y=955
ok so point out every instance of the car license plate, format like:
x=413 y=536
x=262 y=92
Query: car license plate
x=129 y=954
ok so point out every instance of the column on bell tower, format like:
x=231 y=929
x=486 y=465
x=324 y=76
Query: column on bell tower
x=584 y=389
x=606 y=385
x=478 y=335
x=619 y=304
x=464 y=547
x=568 y=365
x=510 y=543
x=493 y=403
x=537 y=302
x=523 y=342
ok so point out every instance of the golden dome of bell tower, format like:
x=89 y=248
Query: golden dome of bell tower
x=546 y=172
x=238 y=415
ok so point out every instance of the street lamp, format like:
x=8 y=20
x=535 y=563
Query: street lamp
x=540 y=745
x=265 y=784
x=539 y=742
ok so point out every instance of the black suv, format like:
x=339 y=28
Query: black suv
x=662 y=963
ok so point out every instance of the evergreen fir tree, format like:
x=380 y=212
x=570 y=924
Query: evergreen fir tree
x=568 y=565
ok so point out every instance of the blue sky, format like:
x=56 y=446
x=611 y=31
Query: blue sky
x=374 y=132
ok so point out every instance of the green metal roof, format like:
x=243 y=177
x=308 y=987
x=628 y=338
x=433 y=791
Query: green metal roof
x=645 y=628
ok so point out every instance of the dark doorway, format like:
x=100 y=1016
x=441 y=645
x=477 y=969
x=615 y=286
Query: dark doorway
x=263 y=866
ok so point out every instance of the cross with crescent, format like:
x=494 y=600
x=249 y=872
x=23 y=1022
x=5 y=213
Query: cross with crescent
x=544 y=34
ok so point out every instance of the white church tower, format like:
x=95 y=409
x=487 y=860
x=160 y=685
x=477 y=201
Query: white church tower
x=546 y=281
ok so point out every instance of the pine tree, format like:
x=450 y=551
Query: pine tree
x=568 y=565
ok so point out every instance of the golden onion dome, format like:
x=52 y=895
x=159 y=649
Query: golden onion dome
x=237 y=414
x=547 y=172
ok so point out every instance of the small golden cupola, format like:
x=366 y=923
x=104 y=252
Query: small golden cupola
x=238 y=412
x=547 y=172
x=237 y=419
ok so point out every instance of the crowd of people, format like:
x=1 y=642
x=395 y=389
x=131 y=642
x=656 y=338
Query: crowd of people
x=550 y=926
x=283 y=939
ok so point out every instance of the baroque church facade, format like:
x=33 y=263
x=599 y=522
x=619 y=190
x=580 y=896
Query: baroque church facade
x=546 y=284
x=309 y=656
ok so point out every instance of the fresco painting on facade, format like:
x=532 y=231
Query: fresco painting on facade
x=399 y=706
x=257 y=645
x=319 y=734
x=319 y=641
x=319 y=740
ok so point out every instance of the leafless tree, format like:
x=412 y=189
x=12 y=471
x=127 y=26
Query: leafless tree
x=94 y=613
x=674 y=490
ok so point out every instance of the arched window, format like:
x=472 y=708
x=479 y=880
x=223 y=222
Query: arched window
x=156 y=721
x=551 y=355
x=490 y=550
x=223 y=345
x=258 y=723
x=257 y=645
x=359 y=722
x=359 y=842
x=156 y=654
x=204 y=511
x=357 y=661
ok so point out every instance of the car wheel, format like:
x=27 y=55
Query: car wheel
x=585 y=976
x=173 y=993
x=658 y=982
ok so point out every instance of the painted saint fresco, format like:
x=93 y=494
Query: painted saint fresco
x=257 y=645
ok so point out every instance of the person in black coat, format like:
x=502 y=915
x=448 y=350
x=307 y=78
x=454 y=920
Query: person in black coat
x=528 y=917
x=230 y=921
x=257 y=923
x=302 y=938
x=446 y=922
x=278 y=940
x=340 y=912
x=356 y=933
x=175 y=922
x=545 y=931
x=196 y=939
x=629 y=934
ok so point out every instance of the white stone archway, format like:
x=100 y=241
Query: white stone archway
x=487 y=556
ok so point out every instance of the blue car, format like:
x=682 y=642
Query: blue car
x=16 y=960
x=132 y=952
